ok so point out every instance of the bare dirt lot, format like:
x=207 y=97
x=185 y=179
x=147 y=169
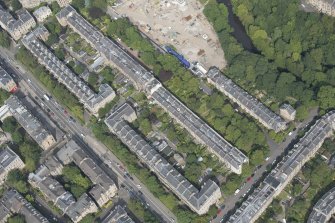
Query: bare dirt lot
x=180 y=23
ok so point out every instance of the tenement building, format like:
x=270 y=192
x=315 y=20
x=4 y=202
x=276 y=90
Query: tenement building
x=16 y=27
x=118 y=215
x=287 y=112
x=284 y=172
x=104 y=187
x=8 y=161
x=53 y=191
x=197 y=200
x=144 y=80
x=91 y=100
x=13 y=203
x=6 y=81
x=247 y=102
x=30 y=123
x=324 y=208
x=42 y=13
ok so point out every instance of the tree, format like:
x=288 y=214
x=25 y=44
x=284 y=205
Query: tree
x=4 y=39
x=95 y=12
x=93 y=79
x=17 y=137
x=73 y=175
x=145 y=126
x=16 y=5
x=78 y=4
x=326 y=96
x=17 y=180
x=9 y=125
x=257 y=157
x=55 y=7
x=16 y=219
x=88 y=219
x=4 y=95
x=31 y=154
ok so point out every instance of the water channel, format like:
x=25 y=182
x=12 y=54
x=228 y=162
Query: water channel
x=239 y=31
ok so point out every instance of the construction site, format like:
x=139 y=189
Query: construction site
x=179 y=23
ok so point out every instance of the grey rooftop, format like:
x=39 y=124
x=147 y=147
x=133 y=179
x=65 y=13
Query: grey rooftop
x=71 y=152
x=64 y=75
x=117 y=215
x=247 y=102
x=7 y=156
x=13 y=201
x=284 y=172
x=14 y=26
x=54 y=191
x=144 y=80
x=29 y=122
x=198 y=200
x=104 y=187
x=5 y=78
x=227 y=153
x=105 y=46
x=324 y=208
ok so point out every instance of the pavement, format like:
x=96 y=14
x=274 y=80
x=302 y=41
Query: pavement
x=84 y=137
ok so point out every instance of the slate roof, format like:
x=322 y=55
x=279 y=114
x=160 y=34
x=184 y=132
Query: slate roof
x=64 y=75
x=145 y=80
x=193 y=197
x=250 y=104
x=117 y=215
x=283 y=173
x=324 y=208
x=29 y=122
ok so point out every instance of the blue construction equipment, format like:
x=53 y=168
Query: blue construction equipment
x=181 y=59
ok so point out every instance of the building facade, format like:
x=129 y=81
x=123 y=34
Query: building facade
x=287 y=112
x=324 y=208
x=197 y=200
x=253 y=207
x=42 y=13
x=91 y=100
x=104 y=187
x=55 y=192
x=145 y=81
x=16 y=27
x=9 y=160
x=30 y=123
x=16 y=204
x=6 y=81
x=247 y=102
x=118 y=215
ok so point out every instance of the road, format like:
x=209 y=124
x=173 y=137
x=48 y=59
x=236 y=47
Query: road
x=84 y=137
x=276 y=150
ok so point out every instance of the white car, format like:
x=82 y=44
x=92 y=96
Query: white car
x=138 y=186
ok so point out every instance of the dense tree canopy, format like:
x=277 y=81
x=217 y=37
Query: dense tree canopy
x=4 y=39
x=295 y=63
x=17 y=180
